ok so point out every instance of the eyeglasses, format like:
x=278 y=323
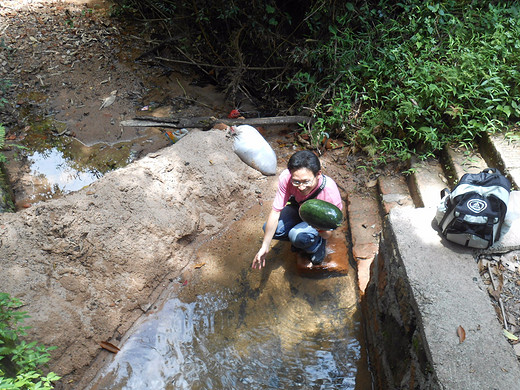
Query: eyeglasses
x=304 y=183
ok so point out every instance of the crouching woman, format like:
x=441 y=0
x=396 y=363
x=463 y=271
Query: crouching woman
x=302 y=180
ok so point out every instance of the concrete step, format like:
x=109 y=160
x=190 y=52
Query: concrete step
x=503 y=152
x=423 y=294
x=436 y=281
x=393 y=192
x=429 y=177
x=420 y=189
x=365 y=228
x=426 y=182
x=457 y=161
x=365 y=215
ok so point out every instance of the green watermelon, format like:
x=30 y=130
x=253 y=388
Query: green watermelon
x=321 y=215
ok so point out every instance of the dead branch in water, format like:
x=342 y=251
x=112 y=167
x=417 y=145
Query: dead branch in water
x=208 y=122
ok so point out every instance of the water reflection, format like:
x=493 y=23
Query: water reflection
x=49 y=172
x=200 y=345
x=231 y=327
x=58 y=175
x=227 y=340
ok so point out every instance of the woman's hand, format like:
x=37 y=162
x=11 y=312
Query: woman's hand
x=259 y=260
x=270 y=228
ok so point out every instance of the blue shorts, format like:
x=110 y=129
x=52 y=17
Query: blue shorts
x=300 y=234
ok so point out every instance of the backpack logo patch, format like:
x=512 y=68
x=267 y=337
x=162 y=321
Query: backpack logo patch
x=476 y=205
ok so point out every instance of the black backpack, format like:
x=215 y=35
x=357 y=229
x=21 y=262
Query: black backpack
x=473 y=213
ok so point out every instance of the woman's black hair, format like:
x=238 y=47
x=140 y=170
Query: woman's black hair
x=304 y=159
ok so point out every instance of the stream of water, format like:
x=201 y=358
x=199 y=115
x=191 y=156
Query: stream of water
x=226 y=326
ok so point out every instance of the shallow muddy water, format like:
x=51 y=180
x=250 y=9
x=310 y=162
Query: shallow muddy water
x=224 y=325
x=66 y=165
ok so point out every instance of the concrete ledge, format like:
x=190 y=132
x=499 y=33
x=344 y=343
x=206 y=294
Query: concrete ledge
x=393 y=192
x=504 y=154
x=426 y=182
x=421 y=290
x=460 y=161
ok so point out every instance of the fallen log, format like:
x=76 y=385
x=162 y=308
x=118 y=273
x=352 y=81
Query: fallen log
x=207 y=123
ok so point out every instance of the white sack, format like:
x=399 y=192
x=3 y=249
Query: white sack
x=253 y=149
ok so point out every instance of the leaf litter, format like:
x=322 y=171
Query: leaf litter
x=501 y=274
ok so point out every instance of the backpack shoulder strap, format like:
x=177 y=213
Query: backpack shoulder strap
x=319 y=189
x=313 y=195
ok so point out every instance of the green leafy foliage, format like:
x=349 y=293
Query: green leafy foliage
x=20 y=361
x=420 y=74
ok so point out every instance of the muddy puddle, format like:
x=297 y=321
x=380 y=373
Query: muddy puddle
x=46 y=166
x=225 y=326
x=61 y=152
x=61 y=137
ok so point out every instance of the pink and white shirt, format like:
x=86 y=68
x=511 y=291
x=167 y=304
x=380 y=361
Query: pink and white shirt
x=285 y=189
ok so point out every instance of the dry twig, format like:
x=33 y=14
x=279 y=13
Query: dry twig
x=506 y=326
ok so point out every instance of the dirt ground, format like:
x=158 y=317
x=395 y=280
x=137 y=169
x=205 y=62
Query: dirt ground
x=89 y=263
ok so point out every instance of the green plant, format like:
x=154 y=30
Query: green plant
x=410 y=77
x=20 y=361
x=391 y=78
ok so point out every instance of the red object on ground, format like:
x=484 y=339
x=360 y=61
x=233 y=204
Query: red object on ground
x=234 y=114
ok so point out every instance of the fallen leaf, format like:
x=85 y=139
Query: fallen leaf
x=199 y=265
x=495 y=294
x=461 y=333
x=333 y=144
x=220 y=126
x=109 y=346
x=510 y=335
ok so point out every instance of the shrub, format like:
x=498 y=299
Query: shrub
x=20 y=361
x=392 y=78
x=407 y=78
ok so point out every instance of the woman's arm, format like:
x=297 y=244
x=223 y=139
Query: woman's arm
x=270 y=229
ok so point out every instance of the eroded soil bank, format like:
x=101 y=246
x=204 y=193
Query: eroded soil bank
x=89 y=264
